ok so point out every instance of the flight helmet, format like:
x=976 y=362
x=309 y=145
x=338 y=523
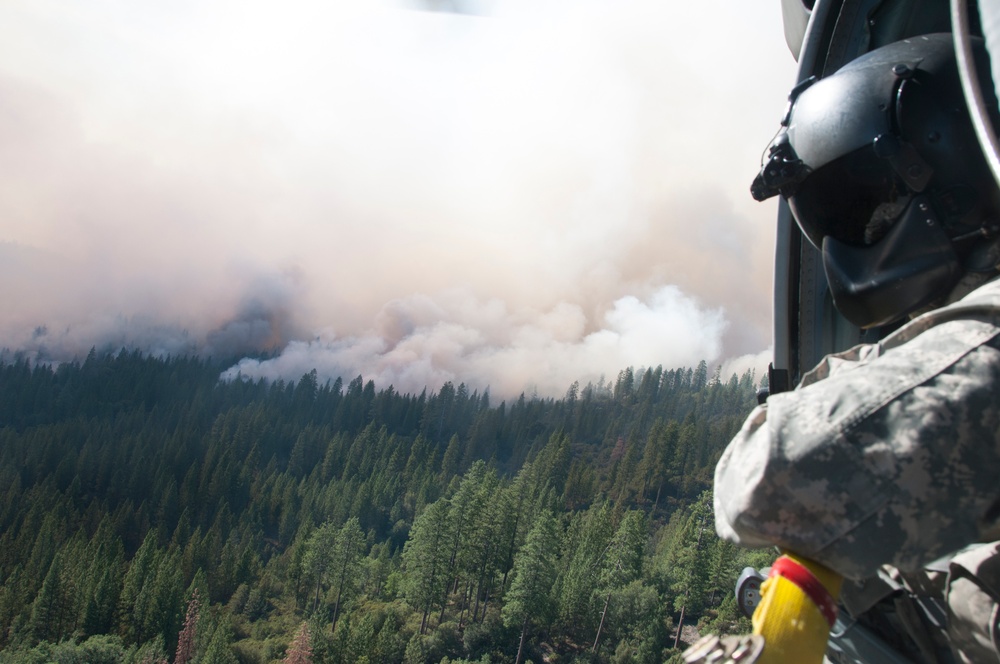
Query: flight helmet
x=881 y=168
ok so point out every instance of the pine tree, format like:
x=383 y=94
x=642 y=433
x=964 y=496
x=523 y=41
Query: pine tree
x=219 y=650
x=478 y=559
x=136 y=589
x=106 y=558
x=46 y=610
x=346 y=560
x=186 y=639
x=622 y=562
x=690 y=562
x=163 y=611
x=425 y=559
x=529 y=599
x=300 y=650
x=584 y=546
x=318 y=558
x=452 y=459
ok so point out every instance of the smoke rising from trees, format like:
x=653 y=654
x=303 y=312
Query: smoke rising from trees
x=522 y=196
x=423 y=342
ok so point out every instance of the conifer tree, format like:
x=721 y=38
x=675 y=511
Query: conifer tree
x=584 y=546
x=219 y=650
x=186 y=639
x=318 y=557
x=349 y=545
x=425 y=559
x=163 y=610
x=300 y=650
x=690 y=561
x=478 y=560
x=133 y=601
x=622 y=562
x=47 y=609
x=529 y=599
x=452 y=459
x=463 y=511
x=104 y=575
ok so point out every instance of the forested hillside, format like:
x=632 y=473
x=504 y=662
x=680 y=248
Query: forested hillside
x=151 y=513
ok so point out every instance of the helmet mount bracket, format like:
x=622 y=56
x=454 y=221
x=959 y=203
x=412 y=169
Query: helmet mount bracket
x=905 y=160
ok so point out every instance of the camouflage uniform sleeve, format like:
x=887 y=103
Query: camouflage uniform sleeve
x=885 y=454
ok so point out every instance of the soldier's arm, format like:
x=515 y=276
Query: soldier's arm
x=891 y=458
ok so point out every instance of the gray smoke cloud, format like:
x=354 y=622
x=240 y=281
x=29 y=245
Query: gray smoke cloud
x=423 y=341
x=508 y=194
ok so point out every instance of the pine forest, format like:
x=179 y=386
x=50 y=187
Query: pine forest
x=151 y=513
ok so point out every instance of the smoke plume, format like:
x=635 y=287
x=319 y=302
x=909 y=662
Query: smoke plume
x=515 y=195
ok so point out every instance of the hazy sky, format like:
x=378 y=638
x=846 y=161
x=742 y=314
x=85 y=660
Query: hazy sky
x=518 y=195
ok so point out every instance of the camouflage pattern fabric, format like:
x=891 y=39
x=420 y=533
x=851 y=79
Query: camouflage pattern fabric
x=885 y=454
x=973 y=611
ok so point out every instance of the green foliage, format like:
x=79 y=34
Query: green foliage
x=687 y=564
x=48 y=613
x=639 y=622
x=220 y=647
x=425 y=560
x=130 y=482
x=318 y=561
x=96 y=650
x=490 y=638
x=726 y=619
x=584 y=546
x=529 y=599
x=621 y=564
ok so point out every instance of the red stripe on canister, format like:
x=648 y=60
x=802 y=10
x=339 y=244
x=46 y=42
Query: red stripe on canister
x=810 y=585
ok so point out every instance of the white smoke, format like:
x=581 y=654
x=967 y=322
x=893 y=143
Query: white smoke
x=755 y=363
x=422 y=343
x=519 y=193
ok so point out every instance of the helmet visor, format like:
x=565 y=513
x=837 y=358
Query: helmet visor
x=854 y=199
